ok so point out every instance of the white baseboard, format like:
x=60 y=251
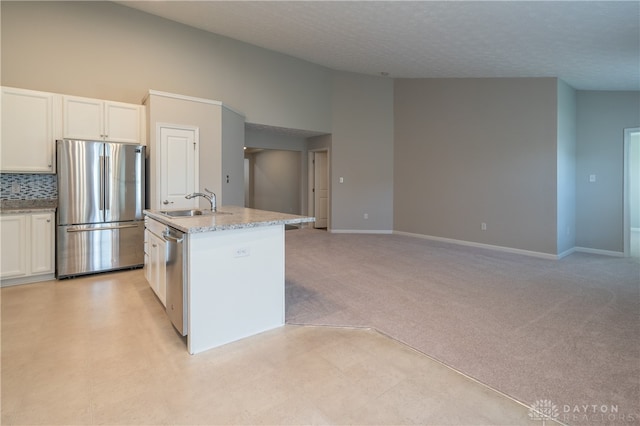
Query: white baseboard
x=26 y=280
x=566 y=253
x=361 y=231
x=481 y=245
x=598 y=251
x=531 y=253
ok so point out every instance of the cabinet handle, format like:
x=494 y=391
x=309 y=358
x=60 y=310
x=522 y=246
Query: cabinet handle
x=48 y=220
x=154 y=245
x=167 y=202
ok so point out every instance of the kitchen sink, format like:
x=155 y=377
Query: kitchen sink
x=191 y=212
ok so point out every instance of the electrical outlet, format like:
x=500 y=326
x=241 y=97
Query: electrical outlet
x=366 y=215
x=15 y=188
x=483 y=226
x=242 y=252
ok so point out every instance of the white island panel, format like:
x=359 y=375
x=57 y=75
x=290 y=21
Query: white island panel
x=236 y=285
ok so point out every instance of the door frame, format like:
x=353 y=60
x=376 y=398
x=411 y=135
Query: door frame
x=311 y=178
x=626 y=195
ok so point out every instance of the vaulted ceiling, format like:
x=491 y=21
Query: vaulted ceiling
x=592 y=45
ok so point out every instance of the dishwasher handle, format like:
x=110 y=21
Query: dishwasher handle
x=171 y=238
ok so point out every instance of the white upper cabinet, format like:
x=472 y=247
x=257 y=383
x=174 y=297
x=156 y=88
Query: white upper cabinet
x=83 y=118
x=30 y=125
x=123 y=122
x=96 y=119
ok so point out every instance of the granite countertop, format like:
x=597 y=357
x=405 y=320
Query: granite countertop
x=28 y=206
x=228 y=217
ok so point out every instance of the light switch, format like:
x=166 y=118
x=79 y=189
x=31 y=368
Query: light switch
x=592 y=178
x=341 y=179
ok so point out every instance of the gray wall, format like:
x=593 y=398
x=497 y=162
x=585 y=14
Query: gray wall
x=469 y=151
x=297 y=147
x=466 y=150
x=232 y=160
x=221 y=132
x=109 y=51
x=601 y=120
x=362 y=153
x=273 y=140
x=106 y=50
x=276 y=180
x=566 y=172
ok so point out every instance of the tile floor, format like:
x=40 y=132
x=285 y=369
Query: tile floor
x=100 y=350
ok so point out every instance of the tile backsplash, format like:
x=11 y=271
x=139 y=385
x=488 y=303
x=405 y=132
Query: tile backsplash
x=25 y=186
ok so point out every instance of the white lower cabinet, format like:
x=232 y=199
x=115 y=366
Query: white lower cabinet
x=42 y=243
x=155 y=263
x=13 y=234
x=27 y=244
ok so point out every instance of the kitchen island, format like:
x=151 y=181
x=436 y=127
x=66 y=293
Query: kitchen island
x=234 y=272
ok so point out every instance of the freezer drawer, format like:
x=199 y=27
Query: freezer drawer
x=85 y=249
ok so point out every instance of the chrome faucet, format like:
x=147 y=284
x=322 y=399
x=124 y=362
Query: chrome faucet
x=211 y=197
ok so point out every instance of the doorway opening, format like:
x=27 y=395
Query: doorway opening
x=319 y=188
x=632 y=192
x=273 y=180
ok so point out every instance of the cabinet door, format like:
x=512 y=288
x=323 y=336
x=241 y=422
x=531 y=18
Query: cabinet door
x=151 y=266
x=83 y=118
x=123 y=122
x=14 y=246
x=147 y=264
x=28 y=130
x=161 y=270
x=156 y=272
x=178 y=169
x=42 y=247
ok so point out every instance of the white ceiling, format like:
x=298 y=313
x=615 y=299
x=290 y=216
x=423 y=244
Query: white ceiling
x=592 y=45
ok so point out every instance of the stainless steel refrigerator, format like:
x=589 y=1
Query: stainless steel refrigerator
x=100 y=204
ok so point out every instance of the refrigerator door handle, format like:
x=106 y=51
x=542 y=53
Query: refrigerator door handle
x=101 y=195
x=107 y=189
x=104 y=228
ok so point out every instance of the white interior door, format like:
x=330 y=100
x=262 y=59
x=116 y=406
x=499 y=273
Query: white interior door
x=632 y=192
x=179 y=167
x=321 y=189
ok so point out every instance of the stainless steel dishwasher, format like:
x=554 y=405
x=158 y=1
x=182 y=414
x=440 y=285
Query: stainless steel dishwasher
x=176 y=283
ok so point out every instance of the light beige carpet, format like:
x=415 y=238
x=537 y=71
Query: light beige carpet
x=565 y=331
